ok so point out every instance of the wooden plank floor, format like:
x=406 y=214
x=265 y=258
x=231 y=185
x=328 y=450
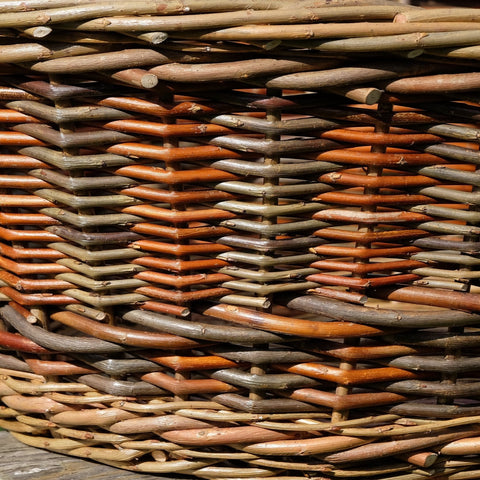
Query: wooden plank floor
x=20 y=462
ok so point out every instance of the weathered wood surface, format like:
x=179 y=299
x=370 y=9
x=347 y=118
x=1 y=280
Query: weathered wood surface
x=20 y=462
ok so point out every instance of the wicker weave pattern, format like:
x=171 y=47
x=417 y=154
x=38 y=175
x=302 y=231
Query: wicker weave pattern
x=239 y=239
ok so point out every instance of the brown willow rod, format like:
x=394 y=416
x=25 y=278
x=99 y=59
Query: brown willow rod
x=200 y=330
x=74 y=162
x=437 y=339
x=279 y=324
x=342 y=76
x=181 y=385
x=266 y=261
x=67 y=139
x=76 y=13
x=435 y=297
x=20 y=343
x=263 y=355
x=444 y=83
x=243 y=403
x=421 y=409
x=67 y=114
x=19 y=252
x=12 y=363
x=345 y=10
x=54 y=341
x=258 y=383
x=77 y=184
x=448 y=213
x=471 y=52
x=447 y=257
x=266 y=276
x=29 y=52
x=45 y=367
x=59 y=197
x=238 y=70
x=10 y=93
x=123 y=59
x=114 y=386
x=27 y=5
x=185 y=364
x=447 y=391
x=222 y=436
x=178 y=250
x=183 y=23
x=381 y=317
x=263 y=125
x=389 y=43
x=268 y=245
x=343 y=377
x=307 y=446
x=297 y=33
x=439 y=15
x=123 y=335
x=98 y=271
x=269 y=211
x=346 y=402
x=436 y=363
x=383 y=449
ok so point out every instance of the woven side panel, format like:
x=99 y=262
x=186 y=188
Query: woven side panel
x=239 y=239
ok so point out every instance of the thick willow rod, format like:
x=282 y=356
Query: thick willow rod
x=381 y=317
x=276 y=229
x=28 y=52
x=457 y=176
x=67 y=12
x=409 y=41
x=257 y=382
x=59 y=35
x=448 y=213
x=383 y=449
x=268 y=289
x=236 y=70
x=122 y=59
x=265 y=277
x=269 y=210
x=76 y=201
x=470 y=198
x=439 y=15
x=471 y=52
x=55 y=11
x=285 y=325
x=298 y=125
x=182 y=23
x=285 y=170
x=369 y=72
x=99 y=256
x=155 y=38
x=454 y=152
x=76 y=162
x=68 y=114
x=55 y=341
x=245 y=188
x=375 y=431
x=200 y=330
x=299 y=33
x=246 y=301
x=441 y=83
x=78 y=13
x=436 y=364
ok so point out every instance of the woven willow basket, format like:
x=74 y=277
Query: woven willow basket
x=239 y=238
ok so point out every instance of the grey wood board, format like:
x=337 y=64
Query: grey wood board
x=21 y=462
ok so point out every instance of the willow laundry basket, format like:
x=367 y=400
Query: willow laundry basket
x=239 y=238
